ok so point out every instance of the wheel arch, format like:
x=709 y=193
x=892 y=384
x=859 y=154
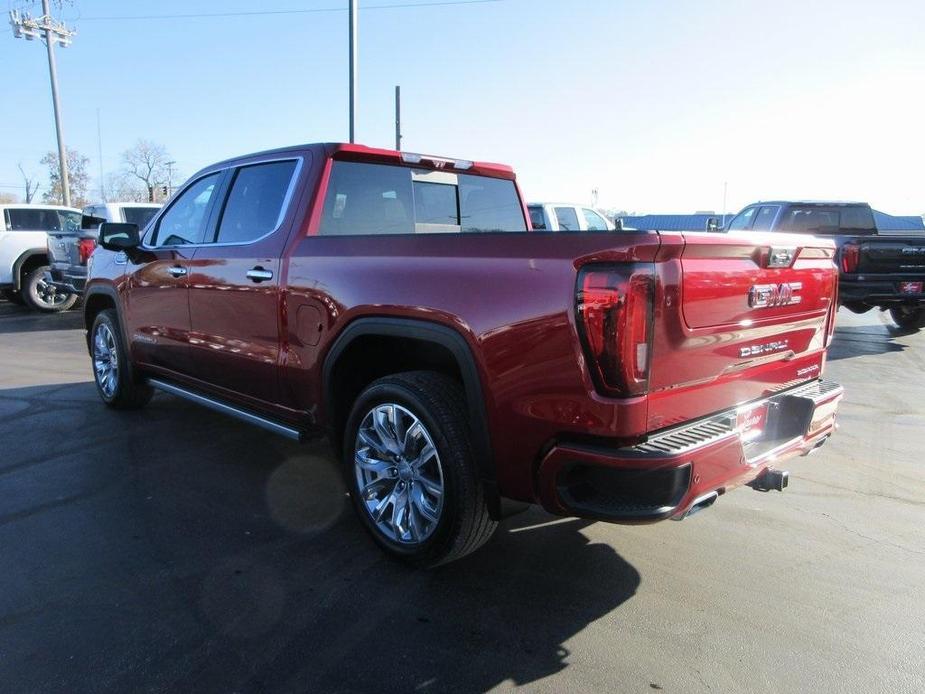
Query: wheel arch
x=98 y=298
x=35 y=257
x=440 y=340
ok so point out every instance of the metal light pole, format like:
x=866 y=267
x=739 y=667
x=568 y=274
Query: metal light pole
x=99 y=144
x=397 y=117
x=352 y=20
x=24 y=26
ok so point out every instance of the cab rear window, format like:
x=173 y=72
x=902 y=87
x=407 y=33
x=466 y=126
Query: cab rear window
x=365 y=199
x=819 y=219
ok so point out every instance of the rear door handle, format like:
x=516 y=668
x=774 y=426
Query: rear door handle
x=177 y=271
x=258 y=274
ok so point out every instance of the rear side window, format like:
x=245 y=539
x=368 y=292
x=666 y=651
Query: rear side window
x=138 y=215
x=743 y=220
x=255 y=205
x=537 y=218
x=765 y=218
x=31 y=219
x=383 y=199
x=567 y=218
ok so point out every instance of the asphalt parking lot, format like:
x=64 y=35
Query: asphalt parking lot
x=174 y=549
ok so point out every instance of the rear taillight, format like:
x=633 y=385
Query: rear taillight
x=614 y=311
x=850 y=257
x=85 y=248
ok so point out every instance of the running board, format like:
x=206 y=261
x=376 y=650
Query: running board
x=231 y=410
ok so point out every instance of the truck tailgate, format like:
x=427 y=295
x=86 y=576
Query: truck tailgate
x=62 y=248
x=878 y=254
x=745 y=327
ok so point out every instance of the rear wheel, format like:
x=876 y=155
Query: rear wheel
x=908 y=317
x=112 y=370
x=39 y=295
x=411 y=472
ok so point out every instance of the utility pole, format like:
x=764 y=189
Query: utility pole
x=99 y=144
x=398 y=117
x=25 y=26
x=352 y=16
x=725 y=186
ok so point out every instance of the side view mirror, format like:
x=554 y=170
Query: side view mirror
x=117 y=236
x=713 y=224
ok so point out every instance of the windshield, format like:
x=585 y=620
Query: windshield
x=819 y=219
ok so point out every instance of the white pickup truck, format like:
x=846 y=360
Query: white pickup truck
x=566 y=216
x=24 y=233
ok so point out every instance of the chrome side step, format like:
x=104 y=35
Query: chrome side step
x=231 y=410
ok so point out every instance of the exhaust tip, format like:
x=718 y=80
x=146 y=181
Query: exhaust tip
x=770 y=479
x=700 y=503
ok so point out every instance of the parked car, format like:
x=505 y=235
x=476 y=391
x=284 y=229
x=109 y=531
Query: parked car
x=562 y=216
x=69 y=250
x=24 y=261
x=885 y=272
x=396 y=303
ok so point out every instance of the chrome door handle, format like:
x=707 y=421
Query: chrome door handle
x=177 y=271
x=258 y=274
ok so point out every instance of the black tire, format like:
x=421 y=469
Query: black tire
x=13 y=296
x=40 y=296
x=122 y=389
x=908 y=317
x=462 y=522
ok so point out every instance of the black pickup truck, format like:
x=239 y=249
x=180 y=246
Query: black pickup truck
x=875 y=271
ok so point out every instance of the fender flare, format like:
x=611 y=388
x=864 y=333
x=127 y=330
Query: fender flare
x=456 y=344
x=21 y=260
x=111 y=293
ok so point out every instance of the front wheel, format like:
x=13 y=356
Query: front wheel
x=112 y=369
x=411 y=471
x=908 y=317
x=39 y=295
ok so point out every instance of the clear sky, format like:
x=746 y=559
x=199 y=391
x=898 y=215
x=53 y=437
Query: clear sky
x=654 y=103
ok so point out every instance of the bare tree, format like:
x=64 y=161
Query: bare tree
x=8 y=198
x=124 y=187
x=29 y=183
x=150 y=163
x=78 y=177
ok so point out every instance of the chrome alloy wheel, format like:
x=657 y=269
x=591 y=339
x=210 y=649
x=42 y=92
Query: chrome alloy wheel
x=48 y=295
x=105 y=360
x=398 y=473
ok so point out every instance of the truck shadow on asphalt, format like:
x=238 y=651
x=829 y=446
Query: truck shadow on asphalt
x=175 y=549
x=857 y=341
x=19 y=319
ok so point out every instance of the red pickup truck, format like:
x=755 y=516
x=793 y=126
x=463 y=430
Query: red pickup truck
x=401 y=305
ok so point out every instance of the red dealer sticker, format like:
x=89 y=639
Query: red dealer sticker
x=751 y=422
x=910 y=287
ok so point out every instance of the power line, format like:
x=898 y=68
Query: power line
x=252 y=13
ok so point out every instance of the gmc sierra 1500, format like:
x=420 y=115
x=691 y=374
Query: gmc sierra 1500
x=400 y=304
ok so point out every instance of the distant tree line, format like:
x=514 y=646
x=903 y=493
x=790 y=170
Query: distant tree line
x=145 y=175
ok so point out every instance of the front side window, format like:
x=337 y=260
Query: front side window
x=184 y=221
x=594 y=221
x=382 y=199
x=567 y=218
x=255 y=204
x=138 y=215
x=743 y=220
x=765 y=218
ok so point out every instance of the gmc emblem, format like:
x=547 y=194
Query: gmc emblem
x=913 y=250
x=774 y=295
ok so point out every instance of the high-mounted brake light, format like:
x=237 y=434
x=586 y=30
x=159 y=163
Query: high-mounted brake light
x=614 y=310
x=438 y=162
x=85 y=248
x=850 y=257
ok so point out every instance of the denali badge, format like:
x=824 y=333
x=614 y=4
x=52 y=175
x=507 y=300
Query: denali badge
x=765 y=348
x=774 y=295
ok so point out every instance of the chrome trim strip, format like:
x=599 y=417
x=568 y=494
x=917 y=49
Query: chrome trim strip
x=290 y=191
x=225 y=408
